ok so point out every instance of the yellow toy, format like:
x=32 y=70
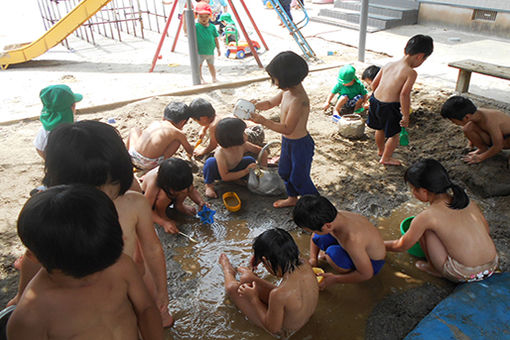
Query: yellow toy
x=318 y=270
x=232 y=201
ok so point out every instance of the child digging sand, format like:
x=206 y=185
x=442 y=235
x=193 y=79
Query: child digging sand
x=86 y=289
x=282 y=309
x=351 y=92
x=391 y=101
x=351 y=244
x=452 y=232
x=160 y=140
x=229 y=162
x=287 y=71
x=488 y=130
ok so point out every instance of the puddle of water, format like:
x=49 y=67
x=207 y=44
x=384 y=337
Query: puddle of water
x=207 y=313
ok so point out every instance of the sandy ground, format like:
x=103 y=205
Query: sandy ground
x=345 y=170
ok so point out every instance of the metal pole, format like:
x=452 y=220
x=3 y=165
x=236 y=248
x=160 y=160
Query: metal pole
x=363 y=30
x=192 y=43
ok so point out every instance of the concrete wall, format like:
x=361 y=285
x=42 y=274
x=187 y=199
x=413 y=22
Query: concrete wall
x=461 y=18
x=497 y=5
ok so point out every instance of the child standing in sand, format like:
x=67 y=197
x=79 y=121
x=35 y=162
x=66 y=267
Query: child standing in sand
x=59 y=106
x=287 y=71
x=391 y=101
x=351 y=92
x=207 y=39
x=161 y=139
x=282 y=309
x=86 y=289
x=452 y=232
x=351 y=244
x=229 y=162
x=488 y=130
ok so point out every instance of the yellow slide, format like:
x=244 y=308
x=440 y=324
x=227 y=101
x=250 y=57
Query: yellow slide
x=65 y=26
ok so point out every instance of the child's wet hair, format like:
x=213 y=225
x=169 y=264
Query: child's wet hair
x=230 y=132
x=420 y=44
x=87 y=152
x=71 y=228
x=279 y=249
x=457 y=107
x=288 y=68
x=174 y=174
x=200 y=107
x=313 y=211
x=370 y=72
x=176 y=112
x=431 y=175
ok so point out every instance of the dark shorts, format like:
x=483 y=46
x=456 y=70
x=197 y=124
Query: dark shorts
x=352 y=102
x=384 y=116
x=340 y=257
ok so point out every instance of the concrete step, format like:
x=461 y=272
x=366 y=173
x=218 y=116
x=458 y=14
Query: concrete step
x=342 y=23
x=374 y=20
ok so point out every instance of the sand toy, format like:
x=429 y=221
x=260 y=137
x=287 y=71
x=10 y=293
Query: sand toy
x=206 y=215
x=316 y=271
x=232 y=201
x=264 y=180
x=404 y=137
x=416 y=249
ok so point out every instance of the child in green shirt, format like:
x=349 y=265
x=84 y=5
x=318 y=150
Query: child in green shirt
x=207 y=39
x=351 y=92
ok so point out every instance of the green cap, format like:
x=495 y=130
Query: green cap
x=57 y=102
x=346 y=74
x=227 y=18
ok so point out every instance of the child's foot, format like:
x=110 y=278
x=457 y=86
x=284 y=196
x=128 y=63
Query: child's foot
x=288 y=202
x=228 y=269
x=210 y=192
x=424 y=266
x=390 y=161
x=215 y=80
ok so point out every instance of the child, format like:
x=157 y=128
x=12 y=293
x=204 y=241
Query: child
x=59 y=106
x=161 y=139
x=282 y=309
x=391 y=101
x=452 y=232
x=368 y=77
x=353 y=246
x=86 y=289
x=167 y=185
x=207 y=39
x=351 y=92
x=287 y=70
x=229 y=162
x=202 y=112
x=230 y=29
x=93 y=153
x=486 y=129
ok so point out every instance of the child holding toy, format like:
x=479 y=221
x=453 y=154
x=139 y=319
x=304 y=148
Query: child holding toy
x=229 y=162
x=207 y=39
x=351 y=92
x=488 y=130
x=452 y=232
x=352 y=245
x=287 y=71
x=282 y=309
x=203 y=113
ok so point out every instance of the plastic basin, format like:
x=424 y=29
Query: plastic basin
x=231 y=201
x=416 y=249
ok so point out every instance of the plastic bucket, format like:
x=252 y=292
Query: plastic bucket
x=416 y=249
x=244 y=109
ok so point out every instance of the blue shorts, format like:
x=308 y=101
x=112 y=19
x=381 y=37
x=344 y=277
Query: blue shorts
x=384 y=116
x=211 y=172
x=340 y=257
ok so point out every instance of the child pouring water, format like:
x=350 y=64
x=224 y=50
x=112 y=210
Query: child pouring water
x=452 y=232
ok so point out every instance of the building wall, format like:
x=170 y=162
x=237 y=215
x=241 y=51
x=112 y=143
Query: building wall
x=461 y=17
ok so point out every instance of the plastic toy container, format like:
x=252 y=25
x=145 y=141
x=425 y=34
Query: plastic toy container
x=244 y=109
x=416 y=249
x=316 y=271
x=232 y=201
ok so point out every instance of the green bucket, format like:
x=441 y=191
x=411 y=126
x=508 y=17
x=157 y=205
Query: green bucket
x=416 y=249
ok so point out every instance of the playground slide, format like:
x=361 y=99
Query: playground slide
x=58 y=32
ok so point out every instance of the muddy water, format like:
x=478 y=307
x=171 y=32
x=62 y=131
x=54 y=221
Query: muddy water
x=207 y=313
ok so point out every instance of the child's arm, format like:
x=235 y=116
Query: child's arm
x=496 y=137
x=212 y=142
x=217 y=45
x=250 y=147
x=291 y=119
x=413 y=235
x=149 y=320
x=158 y=209
x=314 y=252
x=269 y=104
x=25 y=323
x=328 y=101
x=195 y=196
x=181 y=137
x=227 y=175
x=377 y=80
x=405 y=98
x=271 y=316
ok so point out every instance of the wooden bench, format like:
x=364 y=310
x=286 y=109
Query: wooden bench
x=467 y=66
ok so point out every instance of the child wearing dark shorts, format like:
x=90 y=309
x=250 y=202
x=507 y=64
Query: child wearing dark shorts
x=384 y=116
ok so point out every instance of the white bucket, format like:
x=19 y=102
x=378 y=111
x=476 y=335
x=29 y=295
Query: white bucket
x=351 y=126
x=244 y=109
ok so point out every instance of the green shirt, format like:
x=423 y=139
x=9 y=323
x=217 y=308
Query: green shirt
x=206 y=38
x=350 y=91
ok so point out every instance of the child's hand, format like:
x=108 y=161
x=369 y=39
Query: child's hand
x=248 y=290
x=251 y=166
x=247 y=275
x=256 y=118
x=404 y=122
x=329 y=279
x=219 y=52
x=170 y=227
x=313 y=262
x=326 y=106
x=472 y=158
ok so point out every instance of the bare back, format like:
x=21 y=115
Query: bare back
x=493 y=121
x=159 y=139
x=392 y=79
x=295 y=109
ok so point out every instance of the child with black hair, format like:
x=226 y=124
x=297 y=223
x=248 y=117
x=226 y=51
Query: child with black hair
x=282 y=309
x=368 y=77
x=161 y=140
x=86 y=288
x=202 y=112
x=287 y=71
x=488 y=130
x=229 y=162
x=352 y=245
x=93 y=153
x=452 y=232
x=390 y=102
x=170 y=184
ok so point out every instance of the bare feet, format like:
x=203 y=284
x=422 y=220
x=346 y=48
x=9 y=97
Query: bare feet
x=228 y=270
x=424 y=266
x=390 y=161
x=288 y=202
x=209 y=191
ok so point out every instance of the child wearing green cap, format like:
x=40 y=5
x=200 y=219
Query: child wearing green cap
x=350 y=90
x=59 y=106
